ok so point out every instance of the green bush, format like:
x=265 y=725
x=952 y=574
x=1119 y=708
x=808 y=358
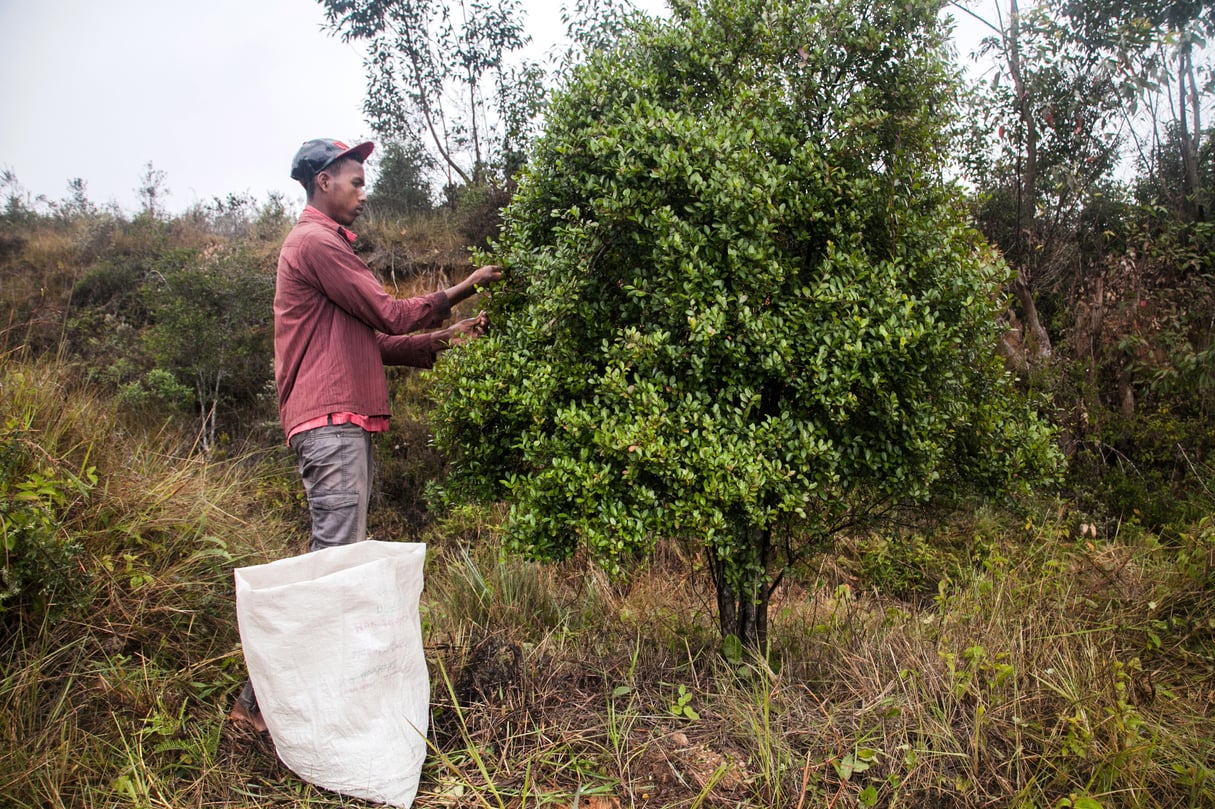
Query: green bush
x=40 y=572
x=212 y=330
x=905 y=565
x=741 y=304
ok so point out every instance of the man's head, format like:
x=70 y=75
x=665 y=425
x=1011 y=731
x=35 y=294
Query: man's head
x=332 y=175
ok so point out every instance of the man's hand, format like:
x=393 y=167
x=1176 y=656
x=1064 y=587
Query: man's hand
x=485 y=275
x=470 y=329
x=462 y=331
x=478 y=278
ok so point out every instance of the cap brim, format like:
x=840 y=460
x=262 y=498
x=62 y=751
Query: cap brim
x=361 y=152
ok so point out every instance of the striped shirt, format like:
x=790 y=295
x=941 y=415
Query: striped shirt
x=335 y=328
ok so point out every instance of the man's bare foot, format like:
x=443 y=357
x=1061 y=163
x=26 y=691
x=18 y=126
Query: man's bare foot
x=253 y=719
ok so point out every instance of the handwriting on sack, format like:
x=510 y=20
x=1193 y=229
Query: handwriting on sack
x=387 y=622
x=392 y=651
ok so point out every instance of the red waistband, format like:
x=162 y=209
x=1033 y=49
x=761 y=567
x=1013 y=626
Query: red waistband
x=372 y=424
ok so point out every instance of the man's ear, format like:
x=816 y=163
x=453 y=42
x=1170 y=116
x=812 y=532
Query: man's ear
x=322 y=181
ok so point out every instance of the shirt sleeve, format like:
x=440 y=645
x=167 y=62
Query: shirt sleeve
x=406 y=349
x=349 y=283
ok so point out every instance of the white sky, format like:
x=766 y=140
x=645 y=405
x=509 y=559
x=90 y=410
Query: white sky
x=218 y=94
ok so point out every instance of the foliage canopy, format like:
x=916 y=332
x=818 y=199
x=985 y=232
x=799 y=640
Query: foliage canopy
x=743 y=305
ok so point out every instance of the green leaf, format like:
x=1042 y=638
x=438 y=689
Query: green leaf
x=732 y=649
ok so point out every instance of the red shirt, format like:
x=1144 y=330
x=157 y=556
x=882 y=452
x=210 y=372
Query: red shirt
x=335 y=327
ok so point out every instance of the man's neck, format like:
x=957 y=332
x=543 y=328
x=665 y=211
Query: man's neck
x=347 y=234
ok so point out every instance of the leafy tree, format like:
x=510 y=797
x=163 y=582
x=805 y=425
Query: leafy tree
x=19 y=205
x=444 y=86
x=1046 y=137
x=152 y=192
x=742 y=304
x=1155 y=50
x=400 y=185
x=77 y=205
x=593 y=26
x=1076 y=82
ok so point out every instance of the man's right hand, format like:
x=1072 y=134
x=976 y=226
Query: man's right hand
x=459 y=332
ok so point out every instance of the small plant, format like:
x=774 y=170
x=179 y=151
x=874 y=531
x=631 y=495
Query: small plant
x=1079 y=802
x=681 y=706
x=858 y=761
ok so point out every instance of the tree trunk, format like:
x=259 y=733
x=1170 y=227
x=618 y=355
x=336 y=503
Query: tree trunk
x=1024 y=256
x=1034 y=330
x=1027 y=202
x=743 y=613
x=1188 y=96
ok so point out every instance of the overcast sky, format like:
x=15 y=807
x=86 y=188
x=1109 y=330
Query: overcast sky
x=217 y=94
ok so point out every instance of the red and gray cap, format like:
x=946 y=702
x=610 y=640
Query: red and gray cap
x=315 y=156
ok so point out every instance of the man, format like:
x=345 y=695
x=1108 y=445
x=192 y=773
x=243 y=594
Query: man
x=335 y=328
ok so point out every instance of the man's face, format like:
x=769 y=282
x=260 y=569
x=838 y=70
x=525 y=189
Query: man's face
x=342 y=191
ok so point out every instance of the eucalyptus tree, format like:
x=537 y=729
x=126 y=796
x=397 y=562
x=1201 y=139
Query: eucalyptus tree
x=440 y=77
x=1165 y=69
x=743 y=307
x=1047 y=132
x=1075 y=83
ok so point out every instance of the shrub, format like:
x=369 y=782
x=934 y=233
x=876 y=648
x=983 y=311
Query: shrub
x=37 y=490
x=742 y=306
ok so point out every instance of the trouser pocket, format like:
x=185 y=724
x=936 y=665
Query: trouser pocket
x=335 y=519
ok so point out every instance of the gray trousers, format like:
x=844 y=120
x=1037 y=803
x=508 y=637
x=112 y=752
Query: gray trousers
x=336 y=465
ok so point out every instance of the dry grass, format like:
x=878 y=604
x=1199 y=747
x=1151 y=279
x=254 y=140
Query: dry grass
x=1026 y=685
x=117 y=692
x=1062 y=670
x=416 y=255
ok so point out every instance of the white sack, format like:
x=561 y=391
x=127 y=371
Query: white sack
x=333 y=644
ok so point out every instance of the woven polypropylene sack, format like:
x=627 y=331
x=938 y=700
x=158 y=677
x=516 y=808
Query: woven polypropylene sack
x=333 y=644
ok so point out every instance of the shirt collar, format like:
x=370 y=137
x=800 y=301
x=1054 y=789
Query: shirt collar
x=348 y=235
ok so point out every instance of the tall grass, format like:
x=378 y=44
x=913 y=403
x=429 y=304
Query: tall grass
x=1058 y=670
x=1049 y=676
x=113 y=683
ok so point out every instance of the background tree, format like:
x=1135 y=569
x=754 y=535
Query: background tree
x=438 y=76
x=152 y=192
x=19 y=204
x=401 y=187
x=1088 y=132
x=1047 y=128
x=1157 y=50
x=742 y=305
x=212 y=330
x=77 y=204
x=1074 y=83
x=447 y=82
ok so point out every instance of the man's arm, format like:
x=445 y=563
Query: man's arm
x=420 y=350
x=479 y=277
x=326 y=262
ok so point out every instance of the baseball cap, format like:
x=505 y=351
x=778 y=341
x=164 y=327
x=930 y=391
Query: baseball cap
x=315 y=155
